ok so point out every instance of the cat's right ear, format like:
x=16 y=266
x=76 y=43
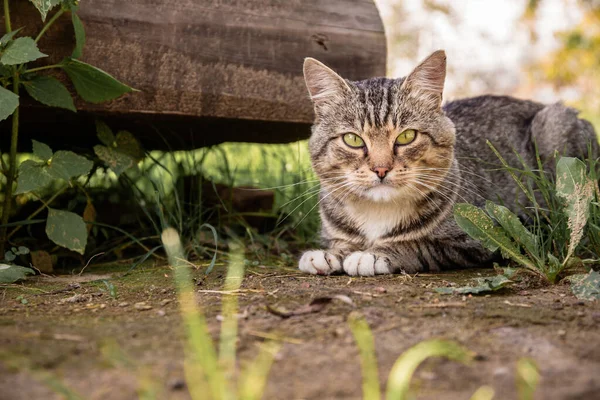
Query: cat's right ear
x=323 y=83
x=426 y=81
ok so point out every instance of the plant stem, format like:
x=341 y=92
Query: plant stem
x=7 y=17
x=39 y=210
x=48 y=24
x=12 y=167
x=42 y=68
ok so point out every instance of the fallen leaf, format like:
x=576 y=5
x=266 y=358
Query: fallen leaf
x=586 y=286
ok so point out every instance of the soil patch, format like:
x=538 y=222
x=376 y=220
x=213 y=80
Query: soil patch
x=103 y=334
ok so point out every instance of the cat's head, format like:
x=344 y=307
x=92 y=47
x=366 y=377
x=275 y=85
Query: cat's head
x=380 y=139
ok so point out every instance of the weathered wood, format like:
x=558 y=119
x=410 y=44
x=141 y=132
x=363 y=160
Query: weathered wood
x=224 y=60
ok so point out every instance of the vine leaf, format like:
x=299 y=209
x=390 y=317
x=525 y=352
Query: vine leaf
x=66 y=165
x=33 y=176
x=20 y=51
x=66 y=229
x=8 y=103
x=42 y=150
x=93 y=84
x=79 y=35
x=44 y=6
x=49 y=91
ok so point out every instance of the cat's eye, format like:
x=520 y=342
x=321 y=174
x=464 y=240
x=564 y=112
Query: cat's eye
x=406 y=137
x=353 y=140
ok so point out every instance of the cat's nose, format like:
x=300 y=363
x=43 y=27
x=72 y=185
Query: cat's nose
x=381 y=171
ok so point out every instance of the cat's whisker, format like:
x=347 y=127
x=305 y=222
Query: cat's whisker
x=344 y=186
x=449 y=184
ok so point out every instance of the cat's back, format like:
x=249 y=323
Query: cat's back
x=502 y=120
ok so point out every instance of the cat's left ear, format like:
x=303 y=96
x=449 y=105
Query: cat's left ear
x=426 y=81
x=323 y=83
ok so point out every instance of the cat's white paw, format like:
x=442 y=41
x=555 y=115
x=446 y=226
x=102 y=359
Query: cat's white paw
x=366 y=264
x=319 y=262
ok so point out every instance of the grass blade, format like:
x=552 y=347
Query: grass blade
x=254 y=379
x=528 y=378
x=404 y=368
x=368 y=362
x=229 y=326
x=200 y=351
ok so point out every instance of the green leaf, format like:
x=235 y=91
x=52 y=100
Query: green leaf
x=128 y=144
x=41 y=150
x=13 y=273
x=66 y=229
x=49 y=91
x=105 y=134
x=32 y=177
x=79 y=35
x=8 y=103
x=554 y=268
x=577 y=190
x=93 y=84
x=8 y=37
x=115 y=160
x=586 y=286
x=66 y=165
x=513 y=226
x=20 y=51
x=44 y=6
x=477 y=224
x=482 y=285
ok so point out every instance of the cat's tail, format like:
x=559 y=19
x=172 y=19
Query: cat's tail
x=557 y=128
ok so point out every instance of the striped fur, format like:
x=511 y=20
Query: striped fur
x=404 y=221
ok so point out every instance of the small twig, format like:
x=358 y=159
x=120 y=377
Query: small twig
x=88 y=263
x=439 y=305
x=517 y=304
x=270 y=336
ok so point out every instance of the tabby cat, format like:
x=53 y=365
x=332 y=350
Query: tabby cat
x=392 y=162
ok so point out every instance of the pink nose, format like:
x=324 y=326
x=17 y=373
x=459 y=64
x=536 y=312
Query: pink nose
x=381 y=171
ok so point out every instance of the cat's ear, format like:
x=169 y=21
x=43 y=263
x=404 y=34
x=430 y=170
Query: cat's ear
x=323 y=83
x=426 y=81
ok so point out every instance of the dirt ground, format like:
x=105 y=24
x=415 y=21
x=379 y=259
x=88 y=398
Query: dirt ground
x=68 y=335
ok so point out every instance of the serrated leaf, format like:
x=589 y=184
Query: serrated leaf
x=44 y=6
x=7 y=37
x=129 y=145
x=66 y=165
x=477 y=224
x=8 y=103
x=482 y=285
x=13 y=273
x=79 y=35
x=586 y=286
x=41 y=150
x=513 y=226
x=93 y=84
x=20 y=51
x=105 y=134
x=66 y=229
x=116 y=161
x=49 y=91
x=32 y=176
x=577 y=190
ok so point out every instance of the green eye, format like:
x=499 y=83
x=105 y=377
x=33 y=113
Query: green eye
x=353 y=140
x=406 y=137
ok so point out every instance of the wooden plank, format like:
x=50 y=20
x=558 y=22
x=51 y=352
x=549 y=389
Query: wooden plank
x=229 y=59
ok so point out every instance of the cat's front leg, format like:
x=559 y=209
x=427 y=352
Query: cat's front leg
x=325 y=262
x=381 y=260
